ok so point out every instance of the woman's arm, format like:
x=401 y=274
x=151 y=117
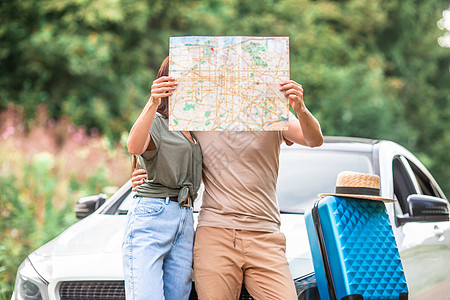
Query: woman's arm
x=139 y=137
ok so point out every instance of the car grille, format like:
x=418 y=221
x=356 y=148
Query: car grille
x=92 y=290
x=109 y=290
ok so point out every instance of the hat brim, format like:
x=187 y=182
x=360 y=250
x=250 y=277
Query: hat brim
x=367 y=197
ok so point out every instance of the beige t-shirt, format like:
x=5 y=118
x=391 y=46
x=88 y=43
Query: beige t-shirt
x=240 y=171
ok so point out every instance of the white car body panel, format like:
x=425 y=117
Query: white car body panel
x=77 y=254
x=91 y=248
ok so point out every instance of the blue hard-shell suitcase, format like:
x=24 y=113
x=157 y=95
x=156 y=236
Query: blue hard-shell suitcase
x=354 y=252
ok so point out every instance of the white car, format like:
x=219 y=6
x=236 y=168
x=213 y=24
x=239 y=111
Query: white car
x=85 y=261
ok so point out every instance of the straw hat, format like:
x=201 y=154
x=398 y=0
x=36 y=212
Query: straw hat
x=358 y=185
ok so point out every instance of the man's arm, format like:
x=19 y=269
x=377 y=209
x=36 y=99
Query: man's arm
x=137 y=178
x=306 y=130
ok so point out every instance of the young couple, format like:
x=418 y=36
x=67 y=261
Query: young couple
x=238 y=238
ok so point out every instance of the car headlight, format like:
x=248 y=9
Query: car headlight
x=306 y=287
x=29 y=284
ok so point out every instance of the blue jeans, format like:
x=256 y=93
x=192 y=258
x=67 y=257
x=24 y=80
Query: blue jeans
x=157 y=250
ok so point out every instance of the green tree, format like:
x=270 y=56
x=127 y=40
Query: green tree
x=420 y=69
x=369 y=68
x=84 y=59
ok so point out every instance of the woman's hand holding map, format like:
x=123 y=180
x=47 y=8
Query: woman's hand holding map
x=162 y=87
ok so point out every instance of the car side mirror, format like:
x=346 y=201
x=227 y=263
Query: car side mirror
x=87 y=205
x=424 y=208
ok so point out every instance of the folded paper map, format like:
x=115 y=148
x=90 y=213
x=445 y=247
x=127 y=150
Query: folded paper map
x=228 y=83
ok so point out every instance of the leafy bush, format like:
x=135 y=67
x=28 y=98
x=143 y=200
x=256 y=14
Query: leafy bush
x=369 y=68
x=43 y=171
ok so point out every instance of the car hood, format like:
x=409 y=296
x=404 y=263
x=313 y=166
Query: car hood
x=91 y=249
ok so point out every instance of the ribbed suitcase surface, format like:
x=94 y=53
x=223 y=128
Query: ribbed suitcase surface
x=361 y=249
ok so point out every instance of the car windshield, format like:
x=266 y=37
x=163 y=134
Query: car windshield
x=304 y=174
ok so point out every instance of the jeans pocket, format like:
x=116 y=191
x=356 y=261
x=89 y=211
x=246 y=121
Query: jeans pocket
x=148 y=209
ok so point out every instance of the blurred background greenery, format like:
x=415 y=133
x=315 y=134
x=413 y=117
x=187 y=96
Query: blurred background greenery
x=75 y=73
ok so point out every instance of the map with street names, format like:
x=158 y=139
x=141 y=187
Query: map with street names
x=228 y=83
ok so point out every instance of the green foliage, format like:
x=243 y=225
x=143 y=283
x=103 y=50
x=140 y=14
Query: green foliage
x=369 y=68
x=38 y=169
x=82 y=58
x=420 y=69
x=5 y=287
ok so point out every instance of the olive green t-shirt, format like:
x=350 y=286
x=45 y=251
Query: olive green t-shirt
x=174 y=168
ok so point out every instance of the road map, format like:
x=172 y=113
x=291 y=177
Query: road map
x=228 y=83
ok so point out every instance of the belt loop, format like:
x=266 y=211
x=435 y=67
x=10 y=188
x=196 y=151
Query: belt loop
x=234 y=238
x=167 y=200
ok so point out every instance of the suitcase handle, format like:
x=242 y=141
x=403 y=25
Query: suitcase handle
x=323 y=252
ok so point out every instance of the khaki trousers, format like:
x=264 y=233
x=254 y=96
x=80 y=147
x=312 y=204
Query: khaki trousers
x=224 y=258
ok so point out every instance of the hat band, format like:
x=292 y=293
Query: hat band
x=354 y=190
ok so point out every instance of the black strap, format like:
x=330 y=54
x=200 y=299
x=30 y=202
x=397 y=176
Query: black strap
x=349 y=190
